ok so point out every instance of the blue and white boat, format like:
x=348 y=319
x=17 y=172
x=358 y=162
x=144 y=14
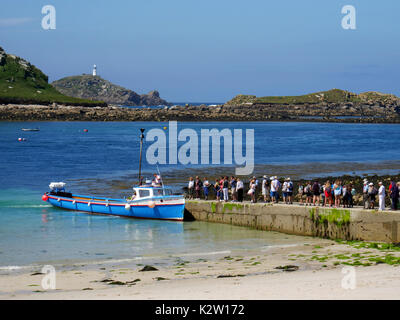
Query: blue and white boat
x=147 y=202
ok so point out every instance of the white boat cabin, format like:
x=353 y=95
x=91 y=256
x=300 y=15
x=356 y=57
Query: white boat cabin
x=150 y=192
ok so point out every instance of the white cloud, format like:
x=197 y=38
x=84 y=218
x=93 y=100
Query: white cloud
x=11 y=22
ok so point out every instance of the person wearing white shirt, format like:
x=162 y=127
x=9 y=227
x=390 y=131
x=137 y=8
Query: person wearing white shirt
x=365 y=194
x=239 y=189
x=381 y=194
x=275 y=184
x=284 y=191
x=191 y=187
x=265 y=188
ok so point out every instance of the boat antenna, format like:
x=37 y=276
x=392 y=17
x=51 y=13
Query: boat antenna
x=140 y=156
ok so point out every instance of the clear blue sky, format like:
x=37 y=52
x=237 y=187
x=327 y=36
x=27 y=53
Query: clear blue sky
x=211 y=50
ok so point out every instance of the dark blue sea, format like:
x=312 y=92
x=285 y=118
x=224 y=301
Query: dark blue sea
x=104 y=161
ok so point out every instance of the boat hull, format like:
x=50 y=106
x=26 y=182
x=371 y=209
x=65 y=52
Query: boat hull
x=163 y=209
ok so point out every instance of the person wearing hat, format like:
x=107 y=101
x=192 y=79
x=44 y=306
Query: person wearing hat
x=271 y=194
x=265 y=188
x=255 y=180
x=365 y=194
x=372 y=192
x=275 y=184
x=284 y=191
x=239 y=190
x=381 y=193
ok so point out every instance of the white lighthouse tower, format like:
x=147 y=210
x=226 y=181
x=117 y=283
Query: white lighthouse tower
x=94 y=70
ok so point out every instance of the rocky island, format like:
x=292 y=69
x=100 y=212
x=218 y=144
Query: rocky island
x=329 y=106
x=25 y=95
x=332 y=105
x=94 y=87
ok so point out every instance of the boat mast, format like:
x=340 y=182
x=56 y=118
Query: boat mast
x=140 y=156
x=162 y=182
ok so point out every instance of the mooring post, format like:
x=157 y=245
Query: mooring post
x=140 y=156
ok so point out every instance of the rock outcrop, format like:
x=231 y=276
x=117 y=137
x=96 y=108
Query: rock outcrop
x=21 y=82
x=328 y=105
x=370 y=114
x=95 y=87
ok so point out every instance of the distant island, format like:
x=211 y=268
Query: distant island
x=94 y=87
x=331 y=105
x=25 y=95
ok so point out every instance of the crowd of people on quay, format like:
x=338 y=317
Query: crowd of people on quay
x=312 y=193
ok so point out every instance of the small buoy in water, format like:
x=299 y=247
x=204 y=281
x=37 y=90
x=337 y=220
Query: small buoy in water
x=165 y=128
x=21 y=139
x=45 y=197
x=128 y=206
x=85 y=130
x=151 y=204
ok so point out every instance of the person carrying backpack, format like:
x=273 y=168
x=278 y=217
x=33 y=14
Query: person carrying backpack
x=308 y=192
x=316 y=192
x=290 y=191
x=284 y=191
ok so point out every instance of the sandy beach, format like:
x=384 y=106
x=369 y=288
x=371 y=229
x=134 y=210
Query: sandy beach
x=224 y=275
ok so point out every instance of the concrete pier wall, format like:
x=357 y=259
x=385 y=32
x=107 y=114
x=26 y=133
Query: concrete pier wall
x=346 y=224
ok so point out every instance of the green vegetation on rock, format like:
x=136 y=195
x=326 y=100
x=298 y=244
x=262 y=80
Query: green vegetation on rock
x=23 y=83
x=336 y=216
x=230 y=206
x=372 y=245
x=213 y=207
x=330 y=96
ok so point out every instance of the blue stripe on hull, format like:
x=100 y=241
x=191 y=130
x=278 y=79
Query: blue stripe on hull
x=170 y=212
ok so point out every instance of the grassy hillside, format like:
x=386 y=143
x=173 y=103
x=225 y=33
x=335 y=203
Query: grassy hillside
x=23 y=83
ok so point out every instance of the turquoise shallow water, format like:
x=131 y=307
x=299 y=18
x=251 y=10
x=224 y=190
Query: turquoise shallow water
x=32 y=232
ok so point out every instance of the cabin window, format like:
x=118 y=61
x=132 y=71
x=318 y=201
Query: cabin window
x=158 y=192
x=144 y=193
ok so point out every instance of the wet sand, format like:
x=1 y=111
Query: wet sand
x=253 y=275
